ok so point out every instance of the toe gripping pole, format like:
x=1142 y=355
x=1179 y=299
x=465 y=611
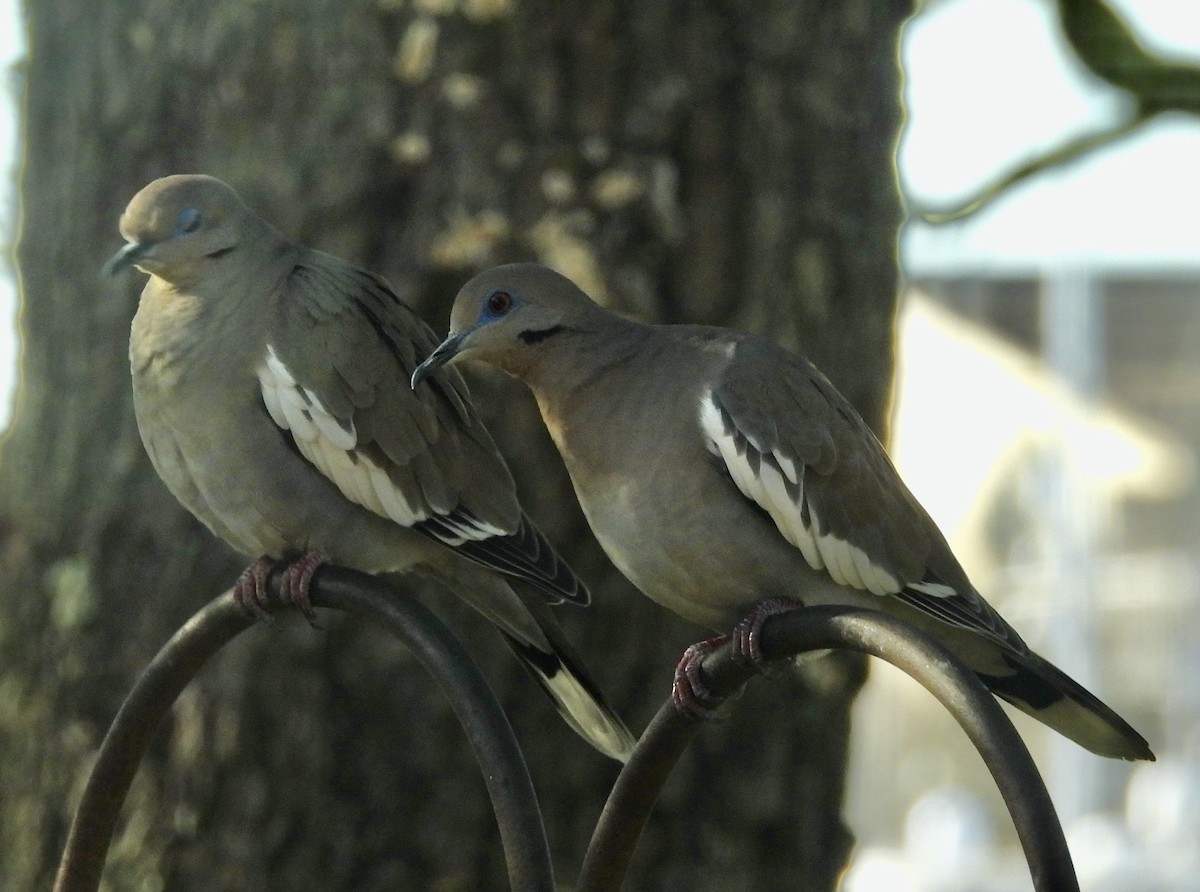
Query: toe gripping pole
x=500 y=759
x=868 y=631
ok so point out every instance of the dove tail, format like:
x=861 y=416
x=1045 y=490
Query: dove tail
x=518 y=609
x=1045 y=692
x=579 y=700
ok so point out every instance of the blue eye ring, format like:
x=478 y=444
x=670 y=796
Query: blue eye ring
x=189 y=220
x=498 y=303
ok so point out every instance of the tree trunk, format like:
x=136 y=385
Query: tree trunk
x=728 y=163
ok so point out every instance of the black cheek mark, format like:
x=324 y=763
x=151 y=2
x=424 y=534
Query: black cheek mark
x=536 y=336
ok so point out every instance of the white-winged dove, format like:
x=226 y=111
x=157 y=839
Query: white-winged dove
x=720 y=472
x=271 y=391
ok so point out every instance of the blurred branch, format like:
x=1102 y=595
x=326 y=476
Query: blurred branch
x=500 y=759
x=1110 y=50
x=1064 y=154
x=874 y=633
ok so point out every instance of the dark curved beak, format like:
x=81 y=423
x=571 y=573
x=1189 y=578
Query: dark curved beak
x=445 y=352
x=126 y=257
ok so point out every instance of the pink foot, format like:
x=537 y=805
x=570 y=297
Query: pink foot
x=297 y=577
x=747 y=635
x=250 y=590
x=689 y=693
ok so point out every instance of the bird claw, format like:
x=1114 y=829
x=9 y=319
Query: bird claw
x=250 y=590
x=746 y=638
x=296 y=579
x=689 y=693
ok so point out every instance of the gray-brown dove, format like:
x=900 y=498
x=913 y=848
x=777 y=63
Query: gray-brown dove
x=720 y=472
x=271 y=392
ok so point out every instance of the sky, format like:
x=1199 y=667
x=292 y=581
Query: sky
x=989 y=82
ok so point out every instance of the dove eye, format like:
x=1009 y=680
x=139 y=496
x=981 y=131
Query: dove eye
x=499 y=303
x=189 y=220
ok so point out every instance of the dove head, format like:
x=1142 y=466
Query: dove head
x=177 y=226
x=510 y=314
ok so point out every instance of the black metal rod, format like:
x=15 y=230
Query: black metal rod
x=501 y=760
x=820 y=628
x=522 y=832
x=130 y=734
x=633 y=796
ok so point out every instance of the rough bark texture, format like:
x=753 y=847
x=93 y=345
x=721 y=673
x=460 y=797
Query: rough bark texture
x=726 y=162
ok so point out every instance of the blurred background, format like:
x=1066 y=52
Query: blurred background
x=1048 y=416
x=1046 y=412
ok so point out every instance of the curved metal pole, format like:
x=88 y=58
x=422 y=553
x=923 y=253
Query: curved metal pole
x=130 y=733
x=500 y=758
x=877 y=634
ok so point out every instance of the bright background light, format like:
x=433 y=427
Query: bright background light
x=990 y=84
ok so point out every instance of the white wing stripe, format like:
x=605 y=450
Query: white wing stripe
x=763 y=481
x=786 y=465
x=390 y=498
x=330 y=446
x=934 y=589
x=844 y=560
x=271 y=399
x=471 y=528
x=337 y=435
x=876 y=580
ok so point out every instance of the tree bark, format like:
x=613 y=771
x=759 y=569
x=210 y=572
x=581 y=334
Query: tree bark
x=729 y=163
